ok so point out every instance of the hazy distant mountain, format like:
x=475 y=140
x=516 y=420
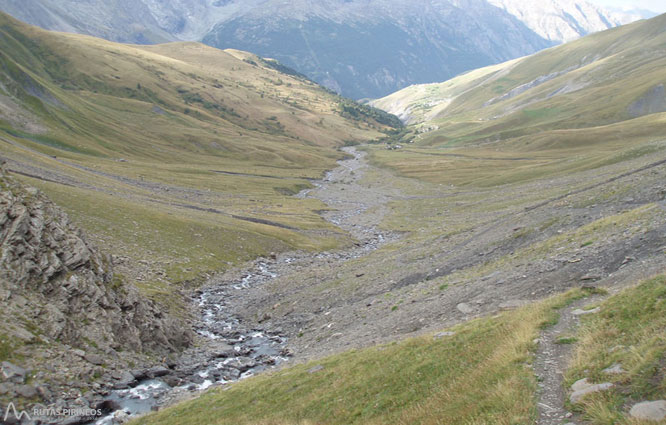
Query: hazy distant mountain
x=117 y=20
x=373 y=47
x=361 y=48
x=563 y=20
x=632 y=14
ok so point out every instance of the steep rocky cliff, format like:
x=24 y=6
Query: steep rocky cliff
x=61 y=303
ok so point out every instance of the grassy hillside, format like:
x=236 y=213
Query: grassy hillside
x=478 y=374
x=578 y=106
x=179 y=155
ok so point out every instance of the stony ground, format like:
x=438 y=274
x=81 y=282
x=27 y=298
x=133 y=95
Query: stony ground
x=392 y=284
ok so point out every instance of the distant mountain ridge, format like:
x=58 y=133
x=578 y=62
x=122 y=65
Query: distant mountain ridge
x=360 y=48
x=365 y=49
x=564 y=20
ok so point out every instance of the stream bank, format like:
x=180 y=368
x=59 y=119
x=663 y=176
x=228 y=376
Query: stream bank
x=230 y=348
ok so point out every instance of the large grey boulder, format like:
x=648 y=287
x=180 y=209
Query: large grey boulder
x=580 y=312
x=13 y=373
x=465 y=308
x=158 y=371
x=649 y=410
x=583 y=388
x=27 y=391
x=241 y=363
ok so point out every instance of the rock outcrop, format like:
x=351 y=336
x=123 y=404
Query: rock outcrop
x=583 y=387
x=59 y=293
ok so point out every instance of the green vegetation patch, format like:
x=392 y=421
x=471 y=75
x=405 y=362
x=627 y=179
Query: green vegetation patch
x=630 y=331
x=356 y=111
x=50 y=142
x=7 y=347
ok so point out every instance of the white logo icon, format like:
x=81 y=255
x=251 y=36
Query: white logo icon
x=18 y=415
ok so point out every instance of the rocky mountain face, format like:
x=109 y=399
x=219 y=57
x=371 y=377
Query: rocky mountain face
x=367 y=49
x=360 y=48
x=62 y=304
x=127 y=21
x=122 y=20
x=563 y=20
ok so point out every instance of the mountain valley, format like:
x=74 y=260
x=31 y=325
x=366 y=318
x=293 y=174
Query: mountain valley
x=475 y=251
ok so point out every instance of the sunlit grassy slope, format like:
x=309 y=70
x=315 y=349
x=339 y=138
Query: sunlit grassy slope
x=179 y=154
x=588 y=103
x=630 y=331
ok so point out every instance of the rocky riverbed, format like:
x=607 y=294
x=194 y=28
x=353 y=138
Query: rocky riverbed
x=230 y=348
